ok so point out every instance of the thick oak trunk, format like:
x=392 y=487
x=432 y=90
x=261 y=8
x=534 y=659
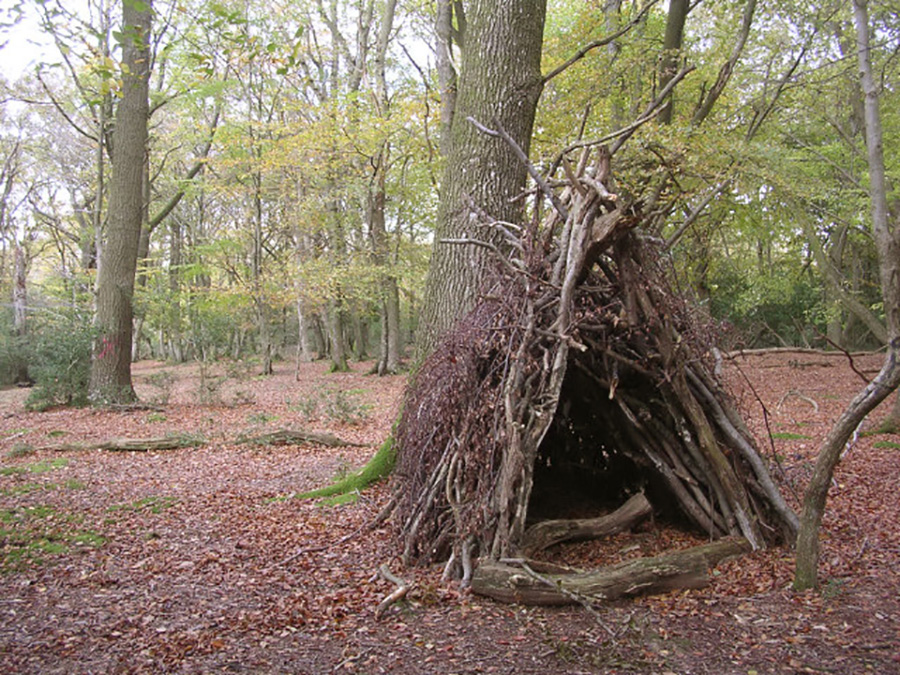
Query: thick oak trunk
x=111 y=362
x=500 y=80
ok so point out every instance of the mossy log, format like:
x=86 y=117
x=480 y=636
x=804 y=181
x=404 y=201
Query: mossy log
x=518 y=581
x=293 y=437
x=156 y=443
x=550 y=532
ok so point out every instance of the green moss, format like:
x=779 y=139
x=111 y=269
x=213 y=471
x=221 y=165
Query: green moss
x=152 y=504
x=38 y=467
x=890 y=445
x=32 y=534
x=380 y=466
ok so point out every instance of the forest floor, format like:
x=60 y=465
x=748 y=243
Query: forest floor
x=202 y=560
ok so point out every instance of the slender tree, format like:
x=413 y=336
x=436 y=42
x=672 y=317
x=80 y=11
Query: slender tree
x=887 y=243
x=111 y=361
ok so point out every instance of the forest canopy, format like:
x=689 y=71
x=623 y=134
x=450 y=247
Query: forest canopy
x=294 y=157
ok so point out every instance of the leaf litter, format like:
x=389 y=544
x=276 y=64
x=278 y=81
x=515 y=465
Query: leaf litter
x=200 y=560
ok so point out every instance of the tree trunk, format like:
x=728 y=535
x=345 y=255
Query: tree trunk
x=678 y=11
x=111 y=362
x=888 y=378
x=500 y=82
x=20 y=325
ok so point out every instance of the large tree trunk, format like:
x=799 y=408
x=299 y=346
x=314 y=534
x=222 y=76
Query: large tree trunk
x=111 y=362
x=500 y=82
x=888 y=378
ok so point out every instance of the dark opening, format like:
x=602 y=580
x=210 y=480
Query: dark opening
x=591 y=460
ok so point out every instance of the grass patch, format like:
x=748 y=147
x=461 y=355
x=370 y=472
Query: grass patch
x=56 y=433
x=787 y=436
x=151 y=504
x=20 y=450
x=27 y=488
x=261 y=418
x=36 y=468
x=889 y=445
x=380 y=466
x=29 y=535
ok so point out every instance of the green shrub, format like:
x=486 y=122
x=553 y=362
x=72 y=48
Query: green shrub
x=60 y=361
x=163 y=382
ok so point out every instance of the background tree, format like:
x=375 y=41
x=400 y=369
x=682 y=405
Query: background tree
x=111 y=363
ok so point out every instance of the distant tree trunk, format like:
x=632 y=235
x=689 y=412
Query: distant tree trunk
x=142 y=256
x=304 y=344
x=20 y=325
x=500 y=82
x=887 y=380
x=111 y=361
x=389 y=296
x=678 y=11
x=446 y=71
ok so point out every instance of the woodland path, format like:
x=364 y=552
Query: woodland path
x=198 y=560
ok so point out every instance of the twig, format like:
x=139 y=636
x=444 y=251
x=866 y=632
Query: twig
x=581 y=599
x=395 y=596
x=581 y=53
x=802 y=397
x=500 y=132
x=351 y=659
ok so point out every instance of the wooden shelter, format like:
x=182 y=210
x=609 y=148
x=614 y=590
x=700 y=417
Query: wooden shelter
x=578 y=371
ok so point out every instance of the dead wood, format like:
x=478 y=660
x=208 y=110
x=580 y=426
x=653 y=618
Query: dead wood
x=178 y=441
x=294 y=437
x=550 y=532
x=394 y=596
x=131 y=444
x=689 y=568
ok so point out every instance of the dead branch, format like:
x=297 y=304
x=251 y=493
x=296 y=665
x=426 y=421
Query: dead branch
x=396 y=595
x=551 y=532
x=295 y=437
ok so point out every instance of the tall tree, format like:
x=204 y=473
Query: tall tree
x=887 y=242
x=111 y=360
x=499 y=85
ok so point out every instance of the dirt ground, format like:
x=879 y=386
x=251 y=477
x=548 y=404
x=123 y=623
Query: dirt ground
x=201 y=560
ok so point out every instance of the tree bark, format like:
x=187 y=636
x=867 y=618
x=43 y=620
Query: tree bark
x=500 y=82
x=681 y=569
x=111 y=361
x=678 y=11
x=20 y=324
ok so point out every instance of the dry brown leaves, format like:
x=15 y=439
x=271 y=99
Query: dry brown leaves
x=207 y=565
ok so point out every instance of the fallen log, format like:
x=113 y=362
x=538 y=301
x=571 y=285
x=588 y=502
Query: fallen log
x=292 y=437
x=157 y=443
x=550 y=532
x=517 y=581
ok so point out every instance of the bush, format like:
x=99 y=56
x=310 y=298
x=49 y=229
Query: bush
x=60 y=361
